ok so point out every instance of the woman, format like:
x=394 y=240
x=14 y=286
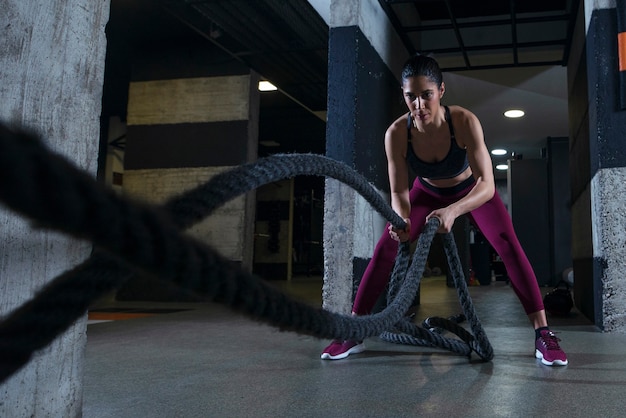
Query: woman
x=445 y=147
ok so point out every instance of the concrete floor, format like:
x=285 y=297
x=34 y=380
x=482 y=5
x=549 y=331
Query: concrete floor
x=209 y=362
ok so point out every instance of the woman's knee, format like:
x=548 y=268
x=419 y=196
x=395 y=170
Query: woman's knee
x=506 y=246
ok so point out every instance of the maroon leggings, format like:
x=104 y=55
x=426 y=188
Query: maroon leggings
x=492 y=219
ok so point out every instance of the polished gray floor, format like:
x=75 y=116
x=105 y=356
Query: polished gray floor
x=209 y=362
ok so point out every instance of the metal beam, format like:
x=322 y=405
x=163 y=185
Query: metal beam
x=513 y=31
x=457 y=33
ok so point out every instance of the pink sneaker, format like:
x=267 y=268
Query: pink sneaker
x=548 y=350
x=341 y=349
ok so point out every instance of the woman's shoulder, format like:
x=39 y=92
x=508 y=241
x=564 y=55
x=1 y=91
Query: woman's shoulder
x=460 y=111
x=399 y=125
x=467 y=127
x=462 y=116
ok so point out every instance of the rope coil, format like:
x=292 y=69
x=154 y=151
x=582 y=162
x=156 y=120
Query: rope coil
x=127 y=236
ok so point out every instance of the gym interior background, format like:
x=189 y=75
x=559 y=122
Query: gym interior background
x=168 y=90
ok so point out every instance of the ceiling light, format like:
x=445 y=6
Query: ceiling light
x=267 y=86
x=502 y=167
x=498 y=151
x=514 y=113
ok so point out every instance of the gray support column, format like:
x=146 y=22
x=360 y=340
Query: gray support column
x=598 y=170
x=363 y=99
x=51 y=77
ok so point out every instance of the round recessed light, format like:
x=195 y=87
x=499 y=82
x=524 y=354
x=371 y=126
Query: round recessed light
x=498 y=151
x=502 y=167
x=514 y=113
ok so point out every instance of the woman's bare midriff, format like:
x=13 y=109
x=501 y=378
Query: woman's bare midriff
x=451 y=182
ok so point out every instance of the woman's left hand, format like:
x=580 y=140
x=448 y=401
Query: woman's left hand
x=446 y=219
x=401 y=235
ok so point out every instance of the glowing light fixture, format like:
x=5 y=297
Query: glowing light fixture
x=267 y=86
x=514 y=113
x=498 y=151
x=502 y=167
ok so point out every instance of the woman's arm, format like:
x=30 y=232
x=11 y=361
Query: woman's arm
x=395 y=149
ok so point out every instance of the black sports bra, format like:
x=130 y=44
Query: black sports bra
x=451 y=166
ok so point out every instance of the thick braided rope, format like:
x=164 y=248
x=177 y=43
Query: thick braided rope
x=479 y=343
x=31 y=178
x=196 y=204
x=44 y=187
x=412 y=334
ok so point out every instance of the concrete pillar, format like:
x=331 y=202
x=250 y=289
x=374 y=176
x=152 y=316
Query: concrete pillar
x=598 y=168
x=364 y=97
x=51 y=76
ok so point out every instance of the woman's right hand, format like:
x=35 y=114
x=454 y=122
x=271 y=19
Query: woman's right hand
x=401 y=235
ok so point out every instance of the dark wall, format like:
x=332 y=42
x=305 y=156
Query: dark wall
x=205 y=144
x=539 y=191
x=183 y=59
x=559 y=207
x=580 y=178
x=186 y=145
x=342 y=122
x=528 y=185
x=607 y=148
x=364 y=98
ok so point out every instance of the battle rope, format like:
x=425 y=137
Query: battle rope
x=52 y=192
x=413 y=335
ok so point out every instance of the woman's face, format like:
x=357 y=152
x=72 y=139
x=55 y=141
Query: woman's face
x=422 y=96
